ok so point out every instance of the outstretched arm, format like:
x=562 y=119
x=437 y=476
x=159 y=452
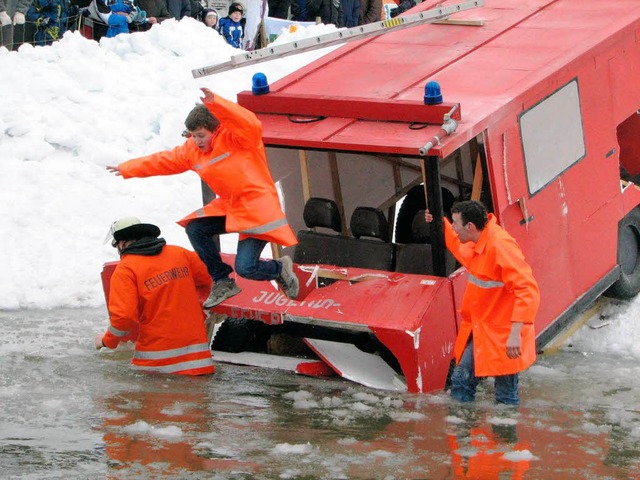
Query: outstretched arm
x=451 y=238
x=242 y=123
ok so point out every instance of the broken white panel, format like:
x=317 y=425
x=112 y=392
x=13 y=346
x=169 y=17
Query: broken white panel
x=353 y=364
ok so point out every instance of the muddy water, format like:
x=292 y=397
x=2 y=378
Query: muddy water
x=68 y=411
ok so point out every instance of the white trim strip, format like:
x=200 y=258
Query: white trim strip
x=485 y=283
x=174 y=352
x=118 y=333
x=176 y=367
x=267 y=227
x=213 y=160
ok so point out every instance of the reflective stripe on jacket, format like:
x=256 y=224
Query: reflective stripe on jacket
x=236 y=170
x=500 y=290
x=158 y=295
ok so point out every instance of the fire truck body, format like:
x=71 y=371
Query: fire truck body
x=539 y=120
x=546 y=98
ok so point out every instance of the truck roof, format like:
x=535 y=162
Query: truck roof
x=339 y=101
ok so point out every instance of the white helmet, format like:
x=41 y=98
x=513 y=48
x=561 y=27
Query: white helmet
x=130 y=228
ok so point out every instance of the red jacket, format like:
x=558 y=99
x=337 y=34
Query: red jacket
x=236 y=170
x=157 y=294
x=501 y=290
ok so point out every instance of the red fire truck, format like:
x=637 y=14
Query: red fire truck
x=539 y=119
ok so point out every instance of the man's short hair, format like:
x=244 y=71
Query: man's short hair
x=201 y=117
x=471 y=211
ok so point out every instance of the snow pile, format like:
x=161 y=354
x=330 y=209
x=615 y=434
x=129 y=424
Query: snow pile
x=73 y=108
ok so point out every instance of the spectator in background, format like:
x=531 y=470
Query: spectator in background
x=217 y=5
x=210 y=18
x=121 y=16
x=329 y=11
x=231 y=27
x=179 y=8
x=50 y=19
x=279 y=8
x=299 y=11
x=403 y=7
x=196 y=9
x=387 y=7
x=156 y=11
x=370 y=11
x=350 y=13
x=21 y=9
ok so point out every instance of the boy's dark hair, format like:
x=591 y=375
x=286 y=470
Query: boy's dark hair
x=471 y=211
x=199 y=117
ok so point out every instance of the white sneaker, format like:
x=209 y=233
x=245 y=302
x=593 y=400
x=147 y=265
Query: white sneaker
x=287 y=279
x=220 y=292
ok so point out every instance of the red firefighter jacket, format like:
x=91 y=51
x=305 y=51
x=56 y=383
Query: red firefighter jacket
x=500 y=290
x=157 y=294
x=236 y=170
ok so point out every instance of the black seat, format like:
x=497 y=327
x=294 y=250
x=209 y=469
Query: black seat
x=368 y=248
x=321 y=247
x=417 y=256
x=371 y=246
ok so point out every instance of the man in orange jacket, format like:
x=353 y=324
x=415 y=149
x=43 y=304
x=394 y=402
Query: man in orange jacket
x=153 y=290
x=496 y=336
x=225 y=148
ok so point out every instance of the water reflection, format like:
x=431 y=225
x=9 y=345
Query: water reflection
x=69 y=412
x=162 y=430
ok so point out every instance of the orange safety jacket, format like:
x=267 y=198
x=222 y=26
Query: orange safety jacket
x=158 y=294
x=500 y=290
x=236 y=170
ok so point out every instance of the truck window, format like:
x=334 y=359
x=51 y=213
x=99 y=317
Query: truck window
x=552 y=136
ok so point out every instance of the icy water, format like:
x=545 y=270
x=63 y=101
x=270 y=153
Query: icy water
x=68 y=411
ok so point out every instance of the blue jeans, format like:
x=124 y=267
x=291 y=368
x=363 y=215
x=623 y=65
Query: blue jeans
x=464 y=382
x=248 y=264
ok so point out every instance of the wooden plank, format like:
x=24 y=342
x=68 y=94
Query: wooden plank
x=337 y=189
x=401 y=193
x=304 y=173
x=461 y=22
x=477 y=180
x=565 y=335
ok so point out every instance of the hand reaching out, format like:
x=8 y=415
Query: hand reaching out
x=114 y=169
x=428 y=217
x=208 y=95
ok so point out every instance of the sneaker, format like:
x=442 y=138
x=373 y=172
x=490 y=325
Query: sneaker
x=287 y=279
x=222 y=290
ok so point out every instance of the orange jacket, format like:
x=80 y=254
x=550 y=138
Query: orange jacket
x=236 y=170
x=500 y=290
x=158 y=294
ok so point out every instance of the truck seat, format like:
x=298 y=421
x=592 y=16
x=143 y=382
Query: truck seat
x=371 y=246
x=321 y=247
